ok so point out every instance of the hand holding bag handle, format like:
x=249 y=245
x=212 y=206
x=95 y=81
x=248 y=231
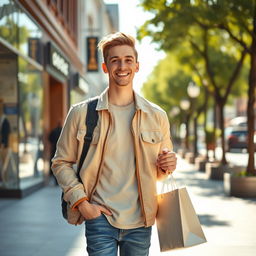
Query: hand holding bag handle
x=168 y=183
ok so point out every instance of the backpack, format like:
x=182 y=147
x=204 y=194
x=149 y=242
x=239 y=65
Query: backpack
x=91 y=122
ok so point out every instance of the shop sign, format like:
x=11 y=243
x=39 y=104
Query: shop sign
x=80 y=83
x=92 y=54
x=34 y=49
x=57 y=60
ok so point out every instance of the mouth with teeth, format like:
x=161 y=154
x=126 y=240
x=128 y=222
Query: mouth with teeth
x=123 y=74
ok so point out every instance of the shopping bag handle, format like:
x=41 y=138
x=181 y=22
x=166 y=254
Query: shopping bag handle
x=170 y=181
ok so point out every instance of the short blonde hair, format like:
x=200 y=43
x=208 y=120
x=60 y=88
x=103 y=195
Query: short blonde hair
x=116 y=39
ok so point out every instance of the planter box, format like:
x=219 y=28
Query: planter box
x=234 y=169
x=240 y=186
x=214 y=171
x=200 y=163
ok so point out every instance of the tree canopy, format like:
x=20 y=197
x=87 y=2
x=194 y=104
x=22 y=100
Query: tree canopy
x=193 y=30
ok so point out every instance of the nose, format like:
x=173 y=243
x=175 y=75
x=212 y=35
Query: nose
x=121 y=64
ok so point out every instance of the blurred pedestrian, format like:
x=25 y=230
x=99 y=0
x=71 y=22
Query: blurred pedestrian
x=131 y=148
x=53 y=139
x=5 y=128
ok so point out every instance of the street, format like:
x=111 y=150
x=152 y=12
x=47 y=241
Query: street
x=236 y=157
x=34 y=225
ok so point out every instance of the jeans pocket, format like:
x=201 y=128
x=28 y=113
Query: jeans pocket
x=91 y=220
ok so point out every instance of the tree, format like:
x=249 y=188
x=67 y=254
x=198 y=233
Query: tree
x=238 y=19
x=184 y=24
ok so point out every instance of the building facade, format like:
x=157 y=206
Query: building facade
x=96 y=20
x=43 y=70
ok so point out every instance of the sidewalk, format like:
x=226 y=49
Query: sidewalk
x=34 y=225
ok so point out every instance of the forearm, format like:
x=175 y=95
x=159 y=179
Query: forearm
x=65 y=158
x=67 y=179
x=167 y=146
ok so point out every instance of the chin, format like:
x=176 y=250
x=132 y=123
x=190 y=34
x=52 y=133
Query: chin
x=122 y=85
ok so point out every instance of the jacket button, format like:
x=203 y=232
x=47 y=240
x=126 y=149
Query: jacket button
x=153 y=140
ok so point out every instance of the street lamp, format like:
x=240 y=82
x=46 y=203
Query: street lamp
x=193 y=90
x=184 y=104
x=174 y=111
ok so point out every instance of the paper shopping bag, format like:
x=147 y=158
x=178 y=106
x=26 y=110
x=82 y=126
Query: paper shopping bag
x=177 y=223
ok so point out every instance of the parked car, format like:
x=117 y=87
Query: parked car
x=238 y=138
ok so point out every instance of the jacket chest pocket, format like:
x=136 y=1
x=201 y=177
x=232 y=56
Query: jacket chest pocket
x=151 y=145
x=152 y=137
x=81 y=134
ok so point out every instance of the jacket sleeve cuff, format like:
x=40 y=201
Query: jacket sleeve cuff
x=73 y=196
x=74 y=207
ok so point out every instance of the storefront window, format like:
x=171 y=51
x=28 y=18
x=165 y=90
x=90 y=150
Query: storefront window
x=29 y=33
x=8 y=121
x=21 y=98
x=9 y=22
x=17 y=28
x=30 y=121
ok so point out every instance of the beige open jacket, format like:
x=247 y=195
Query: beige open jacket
x=151 y=133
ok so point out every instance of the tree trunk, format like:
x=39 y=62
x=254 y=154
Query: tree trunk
x=195 y=137
x=250 y=110
x=215 y=110
x=251 y=101
x=222 y=128
x=187 y=132
x=205 y=119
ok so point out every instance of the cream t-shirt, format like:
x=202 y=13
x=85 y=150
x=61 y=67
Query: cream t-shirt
x=117 y=188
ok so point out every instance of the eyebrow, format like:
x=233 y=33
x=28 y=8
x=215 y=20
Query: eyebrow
x=116 y=57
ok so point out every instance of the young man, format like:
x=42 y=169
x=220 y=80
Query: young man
x=131 y=148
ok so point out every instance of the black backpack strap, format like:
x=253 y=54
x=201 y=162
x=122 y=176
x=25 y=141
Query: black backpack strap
x=90 y=122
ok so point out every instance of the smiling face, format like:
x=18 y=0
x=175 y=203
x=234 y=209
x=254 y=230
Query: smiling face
x=121 y=65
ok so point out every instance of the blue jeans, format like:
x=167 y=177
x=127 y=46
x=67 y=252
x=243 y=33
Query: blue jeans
x=104 y=239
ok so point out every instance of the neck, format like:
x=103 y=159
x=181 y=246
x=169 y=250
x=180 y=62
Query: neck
x=120 y=96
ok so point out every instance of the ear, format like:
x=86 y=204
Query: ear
x=104 y=67
x=137 y=67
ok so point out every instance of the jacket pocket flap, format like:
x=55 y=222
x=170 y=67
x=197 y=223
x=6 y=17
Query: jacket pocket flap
x=81 y=133
x=152 y=137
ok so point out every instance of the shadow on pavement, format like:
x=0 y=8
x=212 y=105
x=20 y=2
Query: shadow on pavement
x=210 y=220
x=206 y=187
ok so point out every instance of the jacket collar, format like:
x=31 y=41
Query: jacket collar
x=140 y=102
